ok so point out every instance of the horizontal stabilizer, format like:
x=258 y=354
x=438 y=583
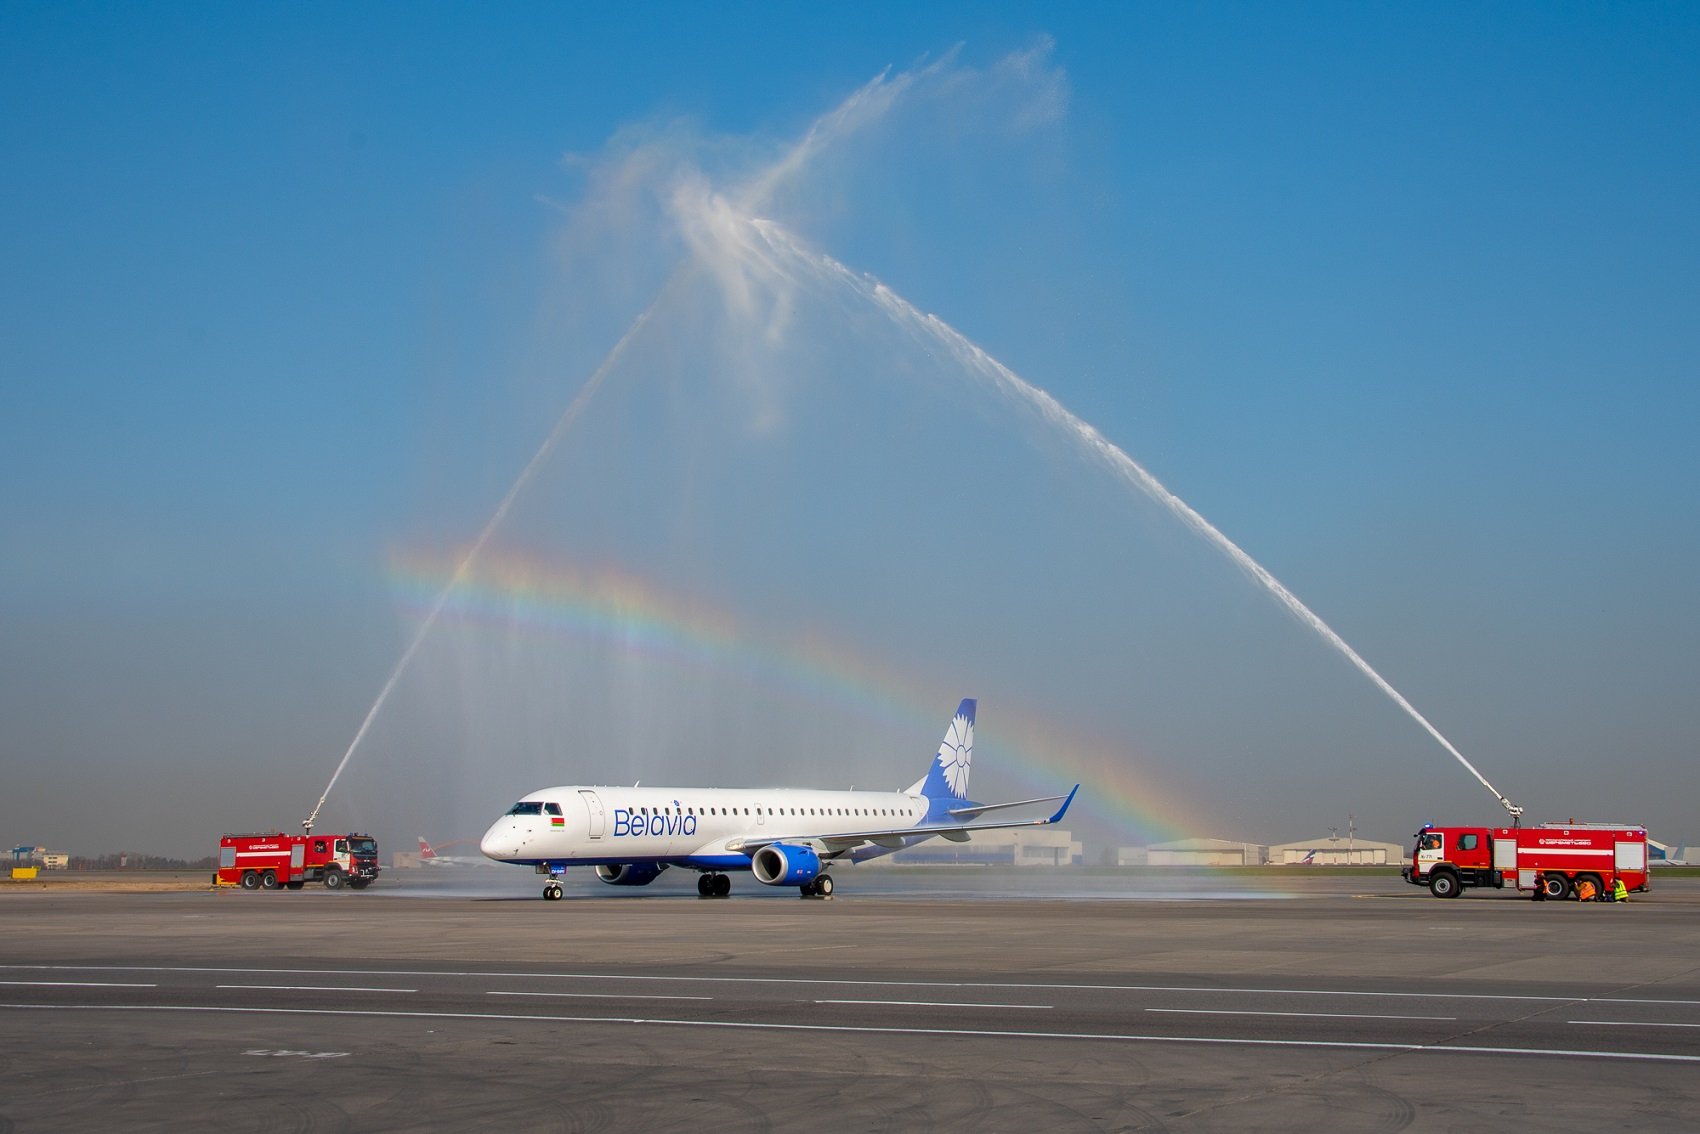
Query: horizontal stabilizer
x=982 y=808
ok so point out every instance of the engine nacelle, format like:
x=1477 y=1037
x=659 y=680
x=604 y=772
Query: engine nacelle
x=785 y=864
x=631 y=873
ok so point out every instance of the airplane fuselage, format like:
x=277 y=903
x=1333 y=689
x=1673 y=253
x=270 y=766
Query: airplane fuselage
x=704 y=828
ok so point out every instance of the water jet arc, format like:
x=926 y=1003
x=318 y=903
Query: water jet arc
x=1096 y=446
x=563 y=424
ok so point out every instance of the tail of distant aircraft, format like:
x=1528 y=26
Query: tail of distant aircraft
x=947 y=780
x=425 y=851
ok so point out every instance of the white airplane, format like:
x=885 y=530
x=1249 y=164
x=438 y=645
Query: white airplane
x=428 y=856
x=784 y=836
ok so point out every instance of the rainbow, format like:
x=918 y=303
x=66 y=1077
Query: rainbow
x=529 y=594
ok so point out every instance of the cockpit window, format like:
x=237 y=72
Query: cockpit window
x=526 y=809
x=551 y=809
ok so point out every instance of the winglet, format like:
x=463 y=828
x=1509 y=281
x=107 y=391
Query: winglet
x=1058 y=816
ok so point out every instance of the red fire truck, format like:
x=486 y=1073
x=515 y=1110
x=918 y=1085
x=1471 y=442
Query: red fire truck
x=1560 y=855
x=265 y=862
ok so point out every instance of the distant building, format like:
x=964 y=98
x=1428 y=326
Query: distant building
x=1206 y=852
x=1044 y=846
x=53 y=860
x=1331 y=850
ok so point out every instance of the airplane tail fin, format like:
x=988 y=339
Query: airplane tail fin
x=425 y=851
x=947 y=778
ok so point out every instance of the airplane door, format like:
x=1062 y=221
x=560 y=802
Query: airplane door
x=761 y=816
x=593 y=804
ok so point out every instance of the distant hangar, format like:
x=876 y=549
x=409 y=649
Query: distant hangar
x=1328 y=850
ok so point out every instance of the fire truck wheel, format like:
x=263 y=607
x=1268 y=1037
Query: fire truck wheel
x=333 y=879
x=268 y=881
x=250 y=880
x=1443 y=884
x=358 y=883
x=1557 y=886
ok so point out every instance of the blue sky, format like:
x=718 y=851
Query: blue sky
x=1401 y=299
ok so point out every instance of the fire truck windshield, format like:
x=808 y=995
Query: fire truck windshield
x=363 y=846
x=526 y=809
x=1429 y=842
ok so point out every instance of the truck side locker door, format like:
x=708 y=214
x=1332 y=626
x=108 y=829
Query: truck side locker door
x=1631 y=856
x=297 y=856
x=1505 y=861
x=593 y=805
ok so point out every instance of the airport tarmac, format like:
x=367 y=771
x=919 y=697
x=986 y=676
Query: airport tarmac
x=1172 y=1001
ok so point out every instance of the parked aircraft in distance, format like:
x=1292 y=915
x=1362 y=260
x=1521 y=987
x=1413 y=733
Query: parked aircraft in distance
x=784 y=836
x=429 y=857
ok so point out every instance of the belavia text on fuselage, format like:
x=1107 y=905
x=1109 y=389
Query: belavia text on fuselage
x=783 y=836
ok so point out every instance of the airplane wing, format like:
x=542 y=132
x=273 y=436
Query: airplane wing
x=893 y=837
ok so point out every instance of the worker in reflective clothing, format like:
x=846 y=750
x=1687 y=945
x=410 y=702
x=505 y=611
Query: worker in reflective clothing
x=1619 y=892
x=1540 y=894
x=1585 y=891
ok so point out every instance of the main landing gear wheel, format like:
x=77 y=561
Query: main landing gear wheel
x=552 y=892
x=820 y=888
x=711 y=885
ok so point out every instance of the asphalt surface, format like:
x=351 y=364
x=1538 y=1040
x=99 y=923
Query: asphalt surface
x=1149 y=1001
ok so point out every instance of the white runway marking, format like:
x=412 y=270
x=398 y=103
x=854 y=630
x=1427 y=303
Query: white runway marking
x=76 y=984
x=839 y=982
x=932 y=1004
x=312 y=988
x=1299 y=1015
x=967 y=1033
x=1628 y=1024
x=599 y=995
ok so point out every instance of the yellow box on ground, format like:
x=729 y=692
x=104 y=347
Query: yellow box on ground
x=24 y=873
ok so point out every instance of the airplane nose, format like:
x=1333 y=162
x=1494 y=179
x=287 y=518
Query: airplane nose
x=499 y=842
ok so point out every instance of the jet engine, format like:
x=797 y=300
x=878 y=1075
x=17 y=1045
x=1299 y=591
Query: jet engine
x=631 y=873
x=785 y=864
